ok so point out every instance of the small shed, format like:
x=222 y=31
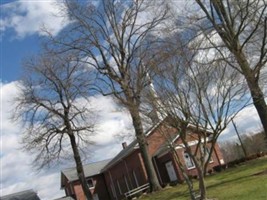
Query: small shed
x=23 y=195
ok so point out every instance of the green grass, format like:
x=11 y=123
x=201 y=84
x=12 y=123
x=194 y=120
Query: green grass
x=237 y=183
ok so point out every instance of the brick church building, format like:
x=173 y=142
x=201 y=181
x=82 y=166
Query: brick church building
x=116 y=178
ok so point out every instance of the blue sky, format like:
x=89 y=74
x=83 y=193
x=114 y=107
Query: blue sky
x=20 y=26
x=21 y=22
x=13 y=52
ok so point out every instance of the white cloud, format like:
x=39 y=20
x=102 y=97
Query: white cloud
x=16 y=172
x=47 y=186
x=247 y=122
x=29 y=17
x=114 y=125
x=8 y=91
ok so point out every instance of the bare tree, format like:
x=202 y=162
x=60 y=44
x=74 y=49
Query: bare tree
x=231 y=151
x=53 y=104
x=203 y=98
x=242 y=27
x=254 y=143
x=240 y=140
x=114 y=38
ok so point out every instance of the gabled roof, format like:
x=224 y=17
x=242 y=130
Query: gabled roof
x=90 y=169
x=23 y=195
x=122 y=154
x=134 y=145
x=166 y=145
x=65 y=198
x=129 y=149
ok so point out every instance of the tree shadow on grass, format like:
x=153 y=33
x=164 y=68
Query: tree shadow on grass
x=177 y=195
x=168 y=194
x=228 y=181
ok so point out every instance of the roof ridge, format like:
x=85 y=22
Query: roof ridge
x=69 y=168
x=127 y=150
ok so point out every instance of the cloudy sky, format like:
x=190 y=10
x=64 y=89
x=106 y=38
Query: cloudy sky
x=21 y=23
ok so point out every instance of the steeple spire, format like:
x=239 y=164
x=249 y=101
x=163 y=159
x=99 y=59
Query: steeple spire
x=155 y=114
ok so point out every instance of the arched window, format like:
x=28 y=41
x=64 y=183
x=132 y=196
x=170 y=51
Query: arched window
x=90 y=183
x=188 y=161
x=207 y=152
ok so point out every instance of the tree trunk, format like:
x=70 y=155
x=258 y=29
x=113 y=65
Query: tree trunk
x=255 y=90
x=79 y=168
x=202 y=186
x=234 y=46
x=141 y=138
x=199 y=168
x=187 y=180
x=259 y=102
x=201 y=177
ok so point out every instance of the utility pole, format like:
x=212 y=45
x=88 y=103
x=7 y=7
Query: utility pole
x=241 y=143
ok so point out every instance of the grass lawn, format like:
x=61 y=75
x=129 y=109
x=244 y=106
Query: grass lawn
x=247 y=181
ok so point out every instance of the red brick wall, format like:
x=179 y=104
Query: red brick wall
x=215 y=159
x=219 y=154
x=123 y=171
x=99 y=188
x=163 y=159
x=134 y=162
x=78 y=191
x=158 y=137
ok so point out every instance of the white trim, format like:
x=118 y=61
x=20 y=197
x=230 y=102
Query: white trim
x=135 y=178
x=200 y=128
x=191 y=143
x=178 y=135
x=92 y=183
x=179 y=147
x=154 y=127
x=113 y=190
x=113 y=186
x=128 y=175
x=188 y=159
x=136 y=190
x=118 y=184
x=191 y=167
x=125 y=179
